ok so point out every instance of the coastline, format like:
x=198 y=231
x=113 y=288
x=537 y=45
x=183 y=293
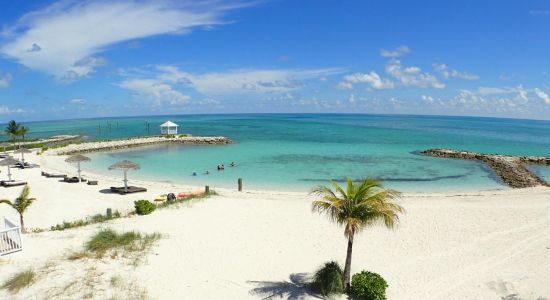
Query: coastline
x=448 y=245
x=116 y=144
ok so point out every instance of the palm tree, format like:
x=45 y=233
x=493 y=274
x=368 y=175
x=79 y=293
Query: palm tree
x=22 y=131
x=13 y=130
x=21 y=204
x=362 y=204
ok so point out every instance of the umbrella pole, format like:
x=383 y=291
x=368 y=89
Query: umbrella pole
x=23 y=157
x=79 y=176
x=125 y=181
x=9 y=173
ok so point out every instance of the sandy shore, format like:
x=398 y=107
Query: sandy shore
x=255 y=244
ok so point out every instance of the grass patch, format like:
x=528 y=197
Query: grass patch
x=107 y=240
x=187 y=199
x=98 y=218
x=116 y=281
x=76 y=255
x=19 y=281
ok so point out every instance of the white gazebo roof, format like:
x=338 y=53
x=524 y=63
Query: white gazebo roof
x=169 y=124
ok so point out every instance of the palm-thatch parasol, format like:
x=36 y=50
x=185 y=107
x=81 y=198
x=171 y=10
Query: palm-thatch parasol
x=125 y=165
x=22 y=151
x=9 y=162
x=5 y=145
x=78 y=158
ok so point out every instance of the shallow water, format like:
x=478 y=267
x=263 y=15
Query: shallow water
x=299 y=151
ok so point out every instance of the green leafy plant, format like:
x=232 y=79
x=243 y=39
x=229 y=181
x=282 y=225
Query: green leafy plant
x=368 y=285
x=328 y=279
x=144 y=207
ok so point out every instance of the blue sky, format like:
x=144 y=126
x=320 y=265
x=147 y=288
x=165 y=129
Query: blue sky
x=69 y=59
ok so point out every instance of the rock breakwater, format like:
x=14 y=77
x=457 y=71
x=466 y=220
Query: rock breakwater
x=136 y=142
x=511 y=169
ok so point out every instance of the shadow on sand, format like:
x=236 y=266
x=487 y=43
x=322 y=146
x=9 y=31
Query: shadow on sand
x=294 y=289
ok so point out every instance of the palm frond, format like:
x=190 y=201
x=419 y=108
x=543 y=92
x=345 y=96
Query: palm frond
x=8 y=202
x=361 y=205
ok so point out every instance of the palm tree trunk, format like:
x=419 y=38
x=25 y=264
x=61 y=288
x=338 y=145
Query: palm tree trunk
x=22 y=223
x=347 y=268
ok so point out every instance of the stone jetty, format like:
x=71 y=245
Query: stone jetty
x=511 y=169
x=136 y=142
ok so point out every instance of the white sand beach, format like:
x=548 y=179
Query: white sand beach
x=256 y=244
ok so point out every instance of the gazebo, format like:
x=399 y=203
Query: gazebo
x=169 y=128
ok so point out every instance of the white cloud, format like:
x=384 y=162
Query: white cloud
x=542 y=95
x=63 y=38
x=344 y=85
x=5 y=80
x=412 y=76
x=484 y=90
x=78 y=101
x=446 y=72
x=427 y=99
x=155 y=90
x=399 y=51
x=522 y=93
x=372 y=79
x=4 y=110
x=242 y=80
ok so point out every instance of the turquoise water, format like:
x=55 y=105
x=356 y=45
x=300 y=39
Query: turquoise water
x=299 y=151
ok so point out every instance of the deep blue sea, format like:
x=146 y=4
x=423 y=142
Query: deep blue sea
x=300 y=151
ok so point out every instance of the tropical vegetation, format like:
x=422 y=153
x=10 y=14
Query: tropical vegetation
x=369 y=285
x=357 y=206
x=144 y=207
x=21 y=204
x=328 y=279
x=14 y=130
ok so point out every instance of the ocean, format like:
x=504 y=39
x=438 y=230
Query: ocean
x=300 y=151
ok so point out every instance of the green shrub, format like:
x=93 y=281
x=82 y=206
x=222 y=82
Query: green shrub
x=328 y=279
x=144 y=207
x=368 y=285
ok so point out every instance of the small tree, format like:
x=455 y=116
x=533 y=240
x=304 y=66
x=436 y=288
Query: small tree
x=22 y=131
x=12 y=130
x=356 y=207
x=21 y=204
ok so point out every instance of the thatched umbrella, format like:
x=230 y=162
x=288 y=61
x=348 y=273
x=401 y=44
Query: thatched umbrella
x=5 y=145
x=78 y=158
x=22 y=151
x=125 y=165
x=9 y=162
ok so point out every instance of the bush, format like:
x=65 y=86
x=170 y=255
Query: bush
x=144 y=207
x=328 y=279
x=368 y=285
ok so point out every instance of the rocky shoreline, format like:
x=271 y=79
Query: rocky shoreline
x=511 y=169
x=136 y=142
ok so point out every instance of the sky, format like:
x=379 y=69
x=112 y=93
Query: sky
x=80 y=59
